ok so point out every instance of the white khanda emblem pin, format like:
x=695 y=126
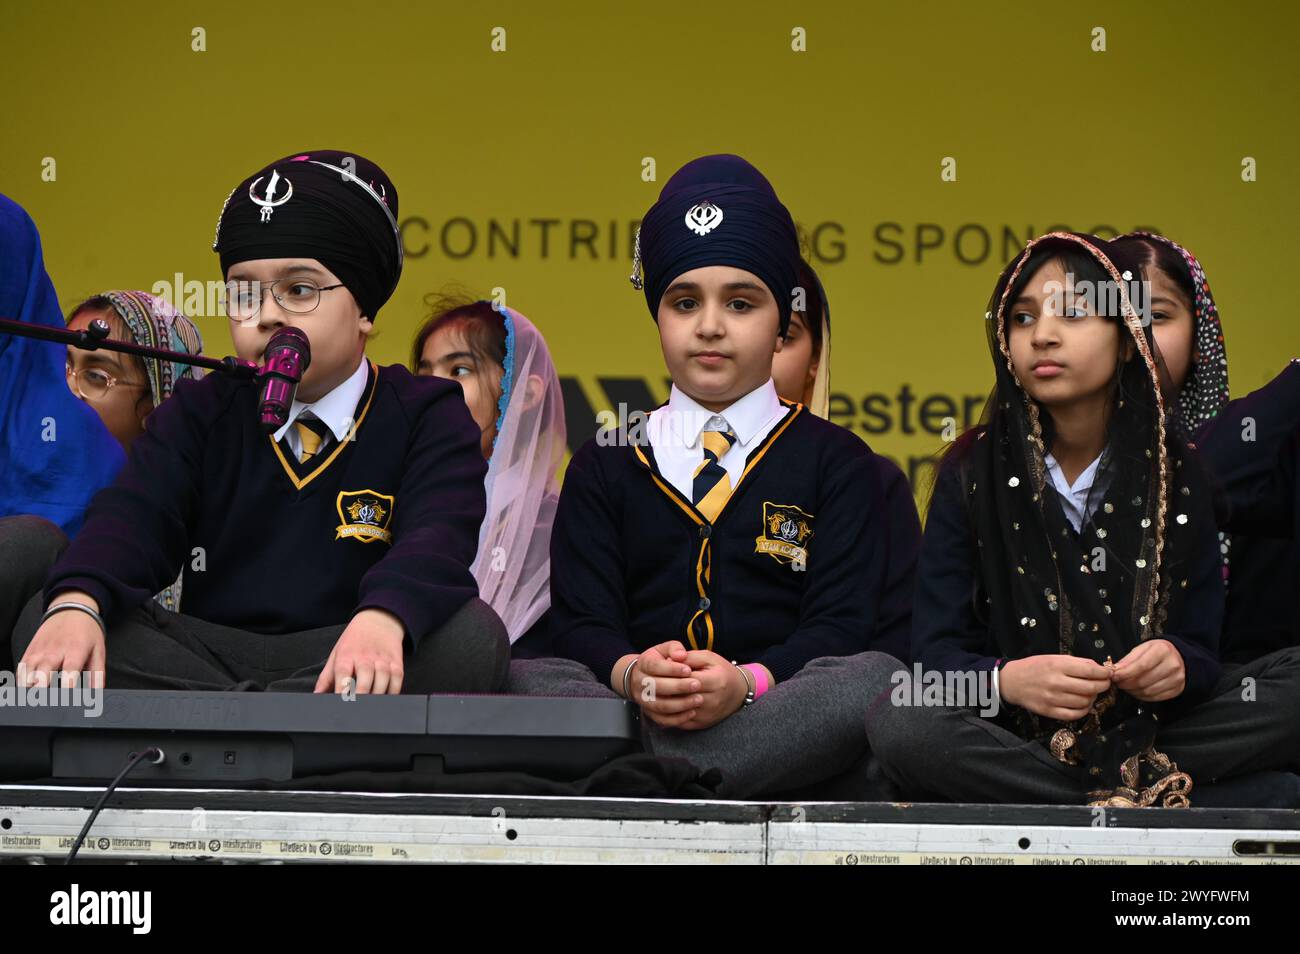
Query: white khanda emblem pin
x=703 y=217
x=269 y=202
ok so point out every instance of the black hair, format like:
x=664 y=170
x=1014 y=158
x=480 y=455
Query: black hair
x=1148 y=252
x=1082 y=267
x=483 y=325
x=814 y=305
x=1077 y=264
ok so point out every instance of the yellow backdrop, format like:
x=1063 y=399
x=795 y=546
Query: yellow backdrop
x=521 y=168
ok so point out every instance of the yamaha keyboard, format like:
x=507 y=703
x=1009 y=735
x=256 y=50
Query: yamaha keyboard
x=214 y=737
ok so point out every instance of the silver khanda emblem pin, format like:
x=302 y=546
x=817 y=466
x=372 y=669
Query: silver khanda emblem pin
x=703 y=217
x=269 y=203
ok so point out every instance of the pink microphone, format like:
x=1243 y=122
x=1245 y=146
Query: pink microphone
x=288 y=354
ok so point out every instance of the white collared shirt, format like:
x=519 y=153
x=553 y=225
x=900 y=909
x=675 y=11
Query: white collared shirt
x=1074 y=499
x=336 y=409
x=674 y=431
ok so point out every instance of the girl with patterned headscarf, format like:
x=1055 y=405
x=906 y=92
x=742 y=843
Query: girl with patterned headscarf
x=1185 y=324
x=1259 y=568
x=125 y=388
x=1070 y=560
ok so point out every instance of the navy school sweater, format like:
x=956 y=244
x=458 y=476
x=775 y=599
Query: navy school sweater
x=1253 y=450
x=634 y=564
x=389 y=519
x=951 y=633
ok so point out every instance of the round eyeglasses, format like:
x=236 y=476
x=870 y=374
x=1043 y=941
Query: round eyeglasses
x=243 y=300
x=93 y=384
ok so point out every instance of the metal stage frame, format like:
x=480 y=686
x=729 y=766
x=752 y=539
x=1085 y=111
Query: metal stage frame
x=150 y=825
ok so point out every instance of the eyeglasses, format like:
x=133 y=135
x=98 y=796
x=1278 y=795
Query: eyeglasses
x=94 y=383
x=243 y=300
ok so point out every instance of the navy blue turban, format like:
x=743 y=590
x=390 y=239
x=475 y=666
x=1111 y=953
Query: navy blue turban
x=336 y=207
x=719 y=210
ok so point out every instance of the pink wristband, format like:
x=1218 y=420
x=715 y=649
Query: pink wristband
x=760 y=678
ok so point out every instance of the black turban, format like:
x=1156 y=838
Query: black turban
x=336 y=207
x=719 y=210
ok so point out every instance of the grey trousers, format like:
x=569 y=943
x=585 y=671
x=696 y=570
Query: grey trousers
x=1249 y=724
x=153 y=648
x=803 y=738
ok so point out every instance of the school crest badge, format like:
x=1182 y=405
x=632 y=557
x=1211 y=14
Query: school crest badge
x=365 y=515
x=786 y=532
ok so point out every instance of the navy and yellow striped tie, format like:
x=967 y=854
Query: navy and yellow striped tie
x=312 y=433
x=711 y=486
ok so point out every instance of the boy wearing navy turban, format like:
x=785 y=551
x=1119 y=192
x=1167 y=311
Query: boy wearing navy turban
x=332 y=554
x=724 y=570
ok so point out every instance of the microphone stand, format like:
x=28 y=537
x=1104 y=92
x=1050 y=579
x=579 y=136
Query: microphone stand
x=95 y=338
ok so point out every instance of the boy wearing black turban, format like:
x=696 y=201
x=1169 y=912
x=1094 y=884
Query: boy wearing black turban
x=332 y=554
x=724 y=569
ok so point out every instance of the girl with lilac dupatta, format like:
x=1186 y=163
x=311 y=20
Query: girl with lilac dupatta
x=513 y=392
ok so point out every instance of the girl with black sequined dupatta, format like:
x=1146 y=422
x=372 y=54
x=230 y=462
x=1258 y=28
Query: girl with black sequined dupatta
x=1071 y=559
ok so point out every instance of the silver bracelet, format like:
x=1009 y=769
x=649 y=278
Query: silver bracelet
x=82 y=607
x=750 y=692
x=627 y=674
